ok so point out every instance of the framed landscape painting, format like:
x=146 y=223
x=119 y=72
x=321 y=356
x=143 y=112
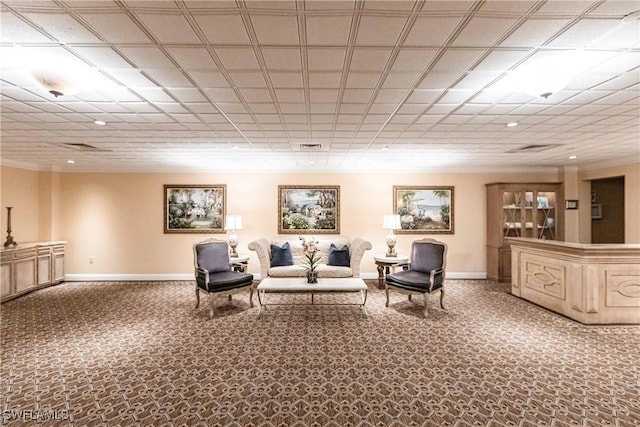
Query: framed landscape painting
x=194 y=208
x=424 y=210
x=308 y=209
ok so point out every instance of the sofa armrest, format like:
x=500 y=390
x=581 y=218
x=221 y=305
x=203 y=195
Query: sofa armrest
x=262 y=248
x=357 y=249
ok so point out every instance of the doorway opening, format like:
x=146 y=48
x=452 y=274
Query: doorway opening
x=607 y=210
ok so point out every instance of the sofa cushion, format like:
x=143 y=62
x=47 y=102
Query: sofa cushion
x=288 y=271
x=281 y=255
x=339 y=257
x=331 y=271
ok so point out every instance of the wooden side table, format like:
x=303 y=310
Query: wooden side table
x=385 y=264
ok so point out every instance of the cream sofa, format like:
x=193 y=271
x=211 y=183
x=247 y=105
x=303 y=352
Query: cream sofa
x=262 y=247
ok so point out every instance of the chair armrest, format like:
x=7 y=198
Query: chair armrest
x=262 y=248
x=357 y=249
x=434 y=274
x=202 y=275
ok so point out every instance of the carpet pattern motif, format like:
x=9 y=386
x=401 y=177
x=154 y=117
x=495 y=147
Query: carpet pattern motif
x=139 y=354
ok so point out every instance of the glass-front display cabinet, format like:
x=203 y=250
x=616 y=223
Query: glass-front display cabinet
x=520 y=210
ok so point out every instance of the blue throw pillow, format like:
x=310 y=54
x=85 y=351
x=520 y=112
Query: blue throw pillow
x=281 y=256
x=339 y=257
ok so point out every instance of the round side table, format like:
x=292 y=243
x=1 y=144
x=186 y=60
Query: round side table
x=387 y=263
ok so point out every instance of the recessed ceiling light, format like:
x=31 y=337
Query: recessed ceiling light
x=70 y=162
x=573 y=157
x=512 y=124
x=234 y=147
x=99 y=122
x=385 y=148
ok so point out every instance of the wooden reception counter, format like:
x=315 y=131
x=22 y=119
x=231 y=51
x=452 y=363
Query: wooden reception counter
x=593 y=284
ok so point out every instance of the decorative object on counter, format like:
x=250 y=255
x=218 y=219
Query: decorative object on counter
x=9 y=243
x=310 y=250
x=233 y=223
x=391 y=222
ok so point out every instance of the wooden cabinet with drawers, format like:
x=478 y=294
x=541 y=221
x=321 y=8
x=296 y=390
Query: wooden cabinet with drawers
x=30 y=266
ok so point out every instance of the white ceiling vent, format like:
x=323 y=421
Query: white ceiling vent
x=533 y=148
x=310 y=147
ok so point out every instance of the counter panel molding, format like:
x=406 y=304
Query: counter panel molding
x=593 y=284
x=31 y=266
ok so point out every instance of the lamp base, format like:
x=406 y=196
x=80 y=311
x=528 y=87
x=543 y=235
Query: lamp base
x=233 y=243
x=391 y=243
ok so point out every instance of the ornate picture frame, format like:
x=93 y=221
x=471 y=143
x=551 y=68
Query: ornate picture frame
x=424 y=209
x=308 y=209
x=195 y=208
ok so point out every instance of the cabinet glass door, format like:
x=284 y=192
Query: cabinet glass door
x=546 y=215
x=512 y=203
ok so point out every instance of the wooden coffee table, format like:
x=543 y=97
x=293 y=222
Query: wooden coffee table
x=299 y=285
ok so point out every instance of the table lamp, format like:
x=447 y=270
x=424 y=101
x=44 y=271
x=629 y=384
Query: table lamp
x=391 y=222
x=233 y=223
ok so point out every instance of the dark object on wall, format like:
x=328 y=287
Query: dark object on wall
x=9 y=243
x=596 y=211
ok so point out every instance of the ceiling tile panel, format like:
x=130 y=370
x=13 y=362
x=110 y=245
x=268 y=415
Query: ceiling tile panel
x=163 y=73
x=379 y=30
x=169 y=28
x=15 y=30
x=369 y=59
x=63 y=27
x=328 y=30
x=286 y=79
x=116 y=27
x=458 y=59
x=223 y=29
x=326 y=59
x=482 y=31
x=240 y=58
x=431 y=31
x=276 y=30
x=282 y=59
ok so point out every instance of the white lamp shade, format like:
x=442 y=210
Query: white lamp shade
x=391 y=222
x=233 y=222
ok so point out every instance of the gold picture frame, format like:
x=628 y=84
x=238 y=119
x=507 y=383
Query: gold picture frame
x=308 y=209
x=194 y=208
x=424 y=209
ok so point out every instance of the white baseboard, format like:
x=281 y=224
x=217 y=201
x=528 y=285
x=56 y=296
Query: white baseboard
x=189 y=276
x=125 y=277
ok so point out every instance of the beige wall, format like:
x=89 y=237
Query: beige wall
x=21 y=190
x=117 y=218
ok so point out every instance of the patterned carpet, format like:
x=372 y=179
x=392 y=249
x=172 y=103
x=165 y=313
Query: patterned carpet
x=138 y=354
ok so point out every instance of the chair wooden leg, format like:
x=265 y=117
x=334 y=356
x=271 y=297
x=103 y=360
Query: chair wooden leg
x=442 y=298
x=426 y=303
x=197 y=296
x=229 y=297
x=251 y=297
x=386 y=290
x=409 y=297
x=211 y=307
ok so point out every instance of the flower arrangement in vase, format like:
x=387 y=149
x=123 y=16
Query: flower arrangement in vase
x=310 y=250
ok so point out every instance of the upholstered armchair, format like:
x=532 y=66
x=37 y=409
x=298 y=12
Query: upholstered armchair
x=214 y=273
x=424 y=274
